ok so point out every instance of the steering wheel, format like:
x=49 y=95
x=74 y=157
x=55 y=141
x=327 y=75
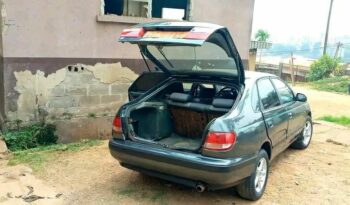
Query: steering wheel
x=227 y=92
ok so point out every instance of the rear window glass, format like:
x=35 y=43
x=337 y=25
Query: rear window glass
x=213 y=55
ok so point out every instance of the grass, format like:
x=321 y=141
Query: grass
x=334 y=84
x=36 y=158
x=343 y=120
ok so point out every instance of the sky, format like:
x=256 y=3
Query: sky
x=296 y=20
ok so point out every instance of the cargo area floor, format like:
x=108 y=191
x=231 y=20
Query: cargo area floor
x=178 y=142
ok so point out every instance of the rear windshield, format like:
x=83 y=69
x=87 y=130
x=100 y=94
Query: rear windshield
x=213 y=55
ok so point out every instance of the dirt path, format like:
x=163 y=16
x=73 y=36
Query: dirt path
x=326 y=103
x=318 y=175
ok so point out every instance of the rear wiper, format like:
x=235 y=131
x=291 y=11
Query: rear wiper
x=161 y=52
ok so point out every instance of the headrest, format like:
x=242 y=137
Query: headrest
x=223 y=103
x=180 y=97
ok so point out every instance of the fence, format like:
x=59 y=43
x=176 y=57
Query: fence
x=284 y=70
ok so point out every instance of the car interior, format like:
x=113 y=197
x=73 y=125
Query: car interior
x=178 y=115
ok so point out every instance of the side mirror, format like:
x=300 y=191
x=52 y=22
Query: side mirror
x=301 y=97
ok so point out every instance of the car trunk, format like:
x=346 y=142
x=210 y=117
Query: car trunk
x=176 y=120
x=173 y=127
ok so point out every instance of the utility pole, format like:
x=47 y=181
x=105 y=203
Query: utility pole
x=336 y=54
x=291 y=63
x=327 y=30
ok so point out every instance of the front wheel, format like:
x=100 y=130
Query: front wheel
x=305 y=136
x=254 y=186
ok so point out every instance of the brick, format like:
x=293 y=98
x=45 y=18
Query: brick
x=110 y=99
x=62 y=102
x=98 y=89
x=85 y=101
x=120 y=88
x=76 y=90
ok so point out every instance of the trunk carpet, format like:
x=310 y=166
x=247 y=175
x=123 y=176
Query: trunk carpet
x=178 y=142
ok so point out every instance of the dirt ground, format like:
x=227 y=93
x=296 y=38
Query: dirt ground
x=317 y=175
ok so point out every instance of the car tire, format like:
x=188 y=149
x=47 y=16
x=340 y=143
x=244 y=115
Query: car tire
x=305 y=136
x=254 y=186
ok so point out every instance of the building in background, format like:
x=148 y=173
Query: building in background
x=60 y=60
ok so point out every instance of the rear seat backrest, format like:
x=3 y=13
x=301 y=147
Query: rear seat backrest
x=221 y=104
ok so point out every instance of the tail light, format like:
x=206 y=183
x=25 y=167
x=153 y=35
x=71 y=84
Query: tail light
x=117 y=125
x=220 y=141
x=199 y=34
x=132 y=33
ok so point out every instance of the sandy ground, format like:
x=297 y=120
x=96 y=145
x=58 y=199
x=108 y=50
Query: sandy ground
x=317 y=175
x=326 y=103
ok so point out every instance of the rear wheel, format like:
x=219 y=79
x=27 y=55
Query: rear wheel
x=305 y=136
x=254 y=186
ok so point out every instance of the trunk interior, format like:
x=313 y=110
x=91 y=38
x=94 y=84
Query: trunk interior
x=177 y=117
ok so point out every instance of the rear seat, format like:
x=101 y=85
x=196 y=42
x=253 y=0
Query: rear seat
x=186 y=101
x=182 y=107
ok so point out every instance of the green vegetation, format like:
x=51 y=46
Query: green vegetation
x=324 y=68
x=31 y=136
x=92 y=115
x=335 y=84
x=343 y=120
x=37 y=157
x=262 y=35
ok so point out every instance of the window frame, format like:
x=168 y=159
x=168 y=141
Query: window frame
x=279 y=96
x=102 y=17
x=259 y=95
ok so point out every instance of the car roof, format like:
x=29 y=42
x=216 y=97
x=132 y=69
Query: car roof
x=253 y=75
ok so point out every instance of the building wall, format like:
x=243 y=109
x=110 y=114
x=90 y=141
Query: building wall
x=61 y=59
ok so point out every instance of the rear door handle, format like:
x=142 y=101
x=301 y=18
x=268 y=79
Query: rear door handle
x=269 y=124
x=290 y=115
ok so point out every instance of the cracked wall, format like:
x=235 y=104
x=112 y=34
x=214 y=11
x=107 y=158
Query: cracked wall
x=74 y=91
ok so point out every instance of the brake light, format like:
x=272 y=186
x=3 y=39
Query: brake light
x=117 y=125
x=220 y=141
x=132 y=33
x=198 y=34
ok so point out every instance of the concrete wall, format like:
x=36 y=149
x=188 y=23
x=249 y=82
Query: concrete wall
x=57 y=57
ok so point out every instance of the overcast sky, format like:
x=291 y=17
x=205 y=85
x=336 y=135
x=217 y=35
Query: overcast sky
x=295 y=20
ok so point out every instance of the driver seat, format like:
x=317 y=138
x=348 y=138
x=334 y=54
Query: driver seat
x=201 y=94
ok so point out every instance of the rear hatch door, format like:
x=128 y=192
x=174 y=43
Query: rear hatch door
x=188 y=49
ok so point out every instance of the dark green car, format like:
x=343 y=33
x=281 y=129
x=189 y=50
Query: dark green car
x=198 y=119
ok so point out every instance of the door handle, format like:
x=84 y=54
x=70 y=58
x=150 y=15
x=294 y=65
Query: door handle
x=270 y=124
x=290 y=115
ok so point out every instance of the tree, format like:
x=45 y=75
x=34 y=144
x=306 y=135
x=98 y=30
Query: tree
x=324 y=68
x=262 y=35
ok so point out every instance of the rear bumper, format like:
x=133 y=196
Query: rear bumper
x=181 y=167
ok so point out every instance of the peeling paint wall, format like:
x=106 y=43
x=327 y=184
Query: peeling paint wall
x=74 y=91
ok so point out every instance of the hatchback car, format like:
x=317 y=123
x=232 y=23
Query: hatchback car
x=198 y=118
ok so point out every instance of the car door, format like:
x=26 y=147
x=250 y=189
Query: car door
x=294 y=109
x=274 y=113
x=144 y=82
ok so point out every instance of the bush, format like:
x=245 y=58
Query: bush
x=324 y=67
x=31 y=137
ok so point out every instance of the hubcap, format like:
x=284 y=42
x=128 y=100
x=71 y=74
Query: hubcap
x=307 y=133
x=261 y=173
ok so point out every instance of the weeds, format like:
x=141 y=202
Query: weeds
x=343 y=120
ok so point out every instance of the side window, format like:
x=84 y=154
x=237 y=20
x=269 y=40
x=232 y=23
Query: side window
x=268 y=94
x=283 y=90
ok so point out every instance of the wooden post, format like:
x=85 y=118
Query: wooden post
x=291 y=62
x=280 y=69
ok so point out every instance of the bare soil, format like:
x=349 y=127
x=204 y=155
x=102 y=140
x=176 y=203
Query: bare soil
x=317 y=175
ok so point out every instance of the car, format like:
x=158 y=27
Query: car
x=199 y=119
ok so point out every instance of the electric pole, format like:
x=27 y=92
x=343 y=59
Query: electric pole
x=327 y=30
x=339 y=45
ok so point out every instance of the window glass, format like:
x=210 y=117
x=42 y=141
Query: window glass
x=268 y=94
x=286 y=94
